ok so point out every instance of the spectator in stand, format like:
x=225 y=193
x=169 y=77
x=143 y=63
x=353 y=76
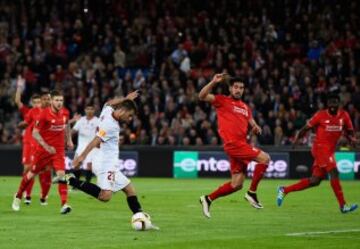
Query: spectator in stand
x=290 y=59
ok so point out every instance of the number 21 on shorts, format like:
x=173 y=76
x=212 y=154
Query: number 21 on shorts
x=111 y=176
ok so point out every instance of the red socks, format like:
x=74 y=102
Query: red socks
x=336 y=187
x=302 y=184
x=62 y=189
x=45 y=183
x=29 y=187
x=259 y=171
x=223 y=190
x=23 y=185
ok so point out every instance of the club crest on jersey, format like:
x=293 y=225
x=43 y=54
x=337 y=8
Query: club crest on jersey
x=241 y=111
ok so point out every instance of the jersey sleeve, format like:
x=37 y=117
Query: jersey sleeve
x=104 y=132
x=29 y=117
x=314 y=121
x=218 y=101
x=24 y=110
x=348 y=123
x=250 y=116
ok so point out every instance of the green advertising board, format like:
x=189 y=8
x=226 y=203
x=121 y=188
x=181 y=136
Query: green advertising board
x=345 y=164
x=185 y=164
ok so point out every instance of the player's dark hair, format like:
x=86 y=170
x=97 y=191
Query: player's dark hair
x=128 y=105
x=233 y=80
x=44 y=92
x=55 y=93
x=35 y=96
x=90 y=104
x=333 y=96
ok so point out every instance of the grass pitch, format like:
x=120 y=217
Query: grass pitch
x=308 y=219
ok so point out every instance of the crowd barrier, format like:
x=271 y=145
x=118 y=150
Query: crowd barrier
x=194 y=162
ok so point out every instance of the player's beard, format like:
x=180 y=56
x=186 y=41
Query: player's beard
x=333 y=110
x=236 y=96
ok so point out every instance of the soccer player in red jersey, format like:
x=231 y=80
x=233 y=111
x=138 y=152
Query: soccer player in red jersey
x=49 y=132
x=329 y=124
x=27 y=136
x=234 y=117
x=29 y=122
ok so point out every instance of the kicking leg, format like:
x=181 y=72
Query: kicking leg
x=132 y=199
x=300 y=185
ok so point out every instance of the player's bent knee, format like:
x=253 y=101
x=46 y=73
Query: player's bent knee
x=105 y=195
x=264 y=158
x=236 y=185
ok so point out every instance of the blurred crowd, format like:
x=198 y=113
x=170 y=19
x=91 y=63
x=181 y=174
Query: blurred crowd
x=291 y=53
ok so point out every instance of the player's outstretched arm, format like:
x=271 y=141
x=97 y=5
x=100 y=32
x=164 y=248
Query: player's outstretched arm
x=117 y=100
x=350 y=135
x=68 y=137
x=36 y=135
x=256 y=129
x=75 y=118
x=301 y=133
x=205 y=94
x=93 y=144
x=20 y=82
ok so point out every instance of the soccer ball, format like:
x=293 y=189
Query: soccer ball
x=141 y=221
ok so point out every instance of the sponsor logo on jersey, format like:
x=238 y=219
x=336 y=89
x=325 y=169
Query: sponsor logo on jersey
x=241 y=111
x=57 y=127
x=333 y=128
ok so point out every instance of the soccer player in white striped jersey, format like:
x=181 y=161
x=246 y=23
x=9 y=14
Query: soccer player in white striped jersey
x=109 y=177
x=86 y=128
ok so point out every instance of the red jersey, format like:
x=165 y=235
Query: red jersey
x=32 y=115
x=24 y=110
x=52 y=128
x=328 y=128
x=26 y=135
x=233 y=118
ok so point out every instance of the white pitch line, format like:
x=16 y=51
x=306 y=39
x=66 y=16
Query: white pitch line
x=322 y=232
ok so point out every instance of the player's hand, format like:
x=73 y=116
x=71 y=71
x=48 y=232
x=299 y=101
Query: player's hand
x=77 y=161
x=70 y=145
x=133 y=95
x=20 y=82
x=296 y=141
x=218 y=77
x=256 y=130
x=76 y=117
x=50 y=149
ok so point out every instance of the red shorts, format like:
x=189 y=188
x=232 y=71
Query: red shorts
x=324 y=162
x=42 y=160
x=27 y=155
x=240 y=154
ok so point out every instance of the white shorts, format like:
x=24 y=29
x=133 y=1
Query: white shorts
x=108 y=176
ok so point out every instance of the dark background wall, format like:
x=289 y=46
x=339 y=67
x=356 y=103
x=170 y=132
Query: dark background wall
x=158 y=161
